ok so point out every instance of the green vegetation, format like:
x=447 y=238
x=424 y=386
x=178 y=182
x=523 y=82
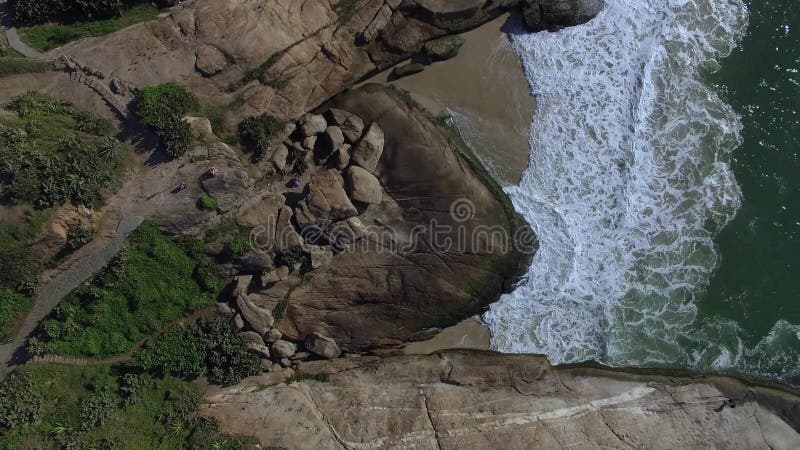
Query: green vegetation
x=202 y=348
x=12 y=304
x=261 y=73
x=152 y=282
x=207 y=202
x=345 y=9
x=104 y=407
x=51 y=153
x=298 y=377
x=234 y=237
x=31 y=12
x=49 y=36
x=256 y=133
x=15 y=65
x=161 y=108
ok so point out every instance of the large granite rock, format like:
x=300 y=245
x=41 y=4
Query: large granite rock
x=397 y=279
x=302 y=53
x=480 y=400
x=553 y=14
x=363 y=186
x=327 y=198
x=367 y=153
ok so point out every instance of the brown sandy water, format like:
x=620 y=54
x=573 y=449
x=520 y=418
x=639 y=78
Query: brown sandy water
x=485 y=90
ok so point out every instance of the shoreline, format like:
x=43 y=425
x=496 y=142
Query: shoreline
x=491 y=104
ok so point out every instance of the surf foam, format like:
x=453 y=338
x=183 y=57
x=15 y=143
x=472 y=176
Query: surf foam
x=629 y=183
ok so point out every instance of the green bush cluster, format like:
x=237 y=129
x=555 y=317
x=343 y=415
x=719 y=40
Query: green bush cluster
x=14 y=66
x=104 y=407
x=256 y=133
x=50 y=35
x=19 y=402
x=30 y=12
x=78 y=236
x=50 y=152
x=161 y=108
x=12 y=304
x=207 y=202
x=208 y=348
x=151 y=284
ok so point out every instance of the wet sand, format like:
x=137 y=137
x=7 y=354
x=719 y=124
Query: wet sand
x=485 y=90
x=471 y=333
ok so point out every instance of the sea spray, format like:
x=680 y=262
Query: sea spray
x=628 y=184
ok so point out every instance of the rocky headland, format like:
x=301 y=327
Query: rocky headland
x=370 y=225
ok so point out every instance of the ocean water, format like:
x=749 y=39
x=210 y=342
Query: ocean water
x=631 y=181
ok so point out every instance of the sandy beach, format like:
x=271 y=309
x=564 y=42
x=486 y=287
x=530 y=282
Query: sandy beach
x=490 y=101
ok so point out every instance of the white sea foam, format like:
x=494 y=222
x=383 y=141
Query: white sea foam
x=629 y=183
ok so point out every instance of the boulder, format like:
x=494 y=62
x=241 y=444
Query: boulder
x=443 y=48
x=238 y=322
x=259 y=349
x=369 y=149
x=261 y=210
x=210 y=61
x=327 y=198
x=407 y=69
x=543 y=15
x=283 y=349
x=323 y=346
x=363 y=186
x=251 y=337
x=228 y=187
x=224 y=309
x=320 y=256
x=279 y=157
x=309 y=143
x=301 y=356
x=269 y=277
x=259 y=319
x=341 y=157
x=241 y=284
x=286 y=236
x=351 y=125
x=312 y=124
x=334 y=138
x=272 y=336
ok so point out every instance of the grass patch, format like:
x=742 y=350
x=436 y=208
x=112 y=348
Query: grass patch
x=318 y=377
x=103 y=407
x=52 y=153
x=207 y=202
x=49 y=36
x=12 y=66
x=12 y=305
x=152 y=282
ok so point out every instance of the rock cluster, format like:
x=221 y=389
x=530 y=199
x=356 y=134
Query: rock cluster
x=255 y=324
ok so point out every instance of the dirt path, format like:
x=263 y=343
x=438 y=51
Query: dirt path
x=13 y=38
x=80 y=266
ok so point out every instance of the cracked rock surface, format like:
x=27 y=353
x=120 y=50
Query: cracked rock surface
x=480 y=400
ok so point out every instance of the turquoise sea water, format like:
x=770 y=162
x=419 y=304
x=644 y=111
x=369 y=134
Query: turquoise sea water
x=757 y=284
x=663 y=184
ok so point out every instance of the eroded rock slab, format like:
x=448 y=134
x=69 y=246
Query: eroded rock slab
x=479 y=400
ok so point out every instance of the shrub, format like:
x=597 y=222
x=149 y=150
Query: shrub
x=78 y=236
x=19 y=401
x=210 y=348
x=12 y=304
x=256 y=132
x=207 y=202
x=56 y=160
x=177 y=352
x=239 y=245
x=29 y=12
x=161 y=107
x=96 y=409
x=13 y=66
